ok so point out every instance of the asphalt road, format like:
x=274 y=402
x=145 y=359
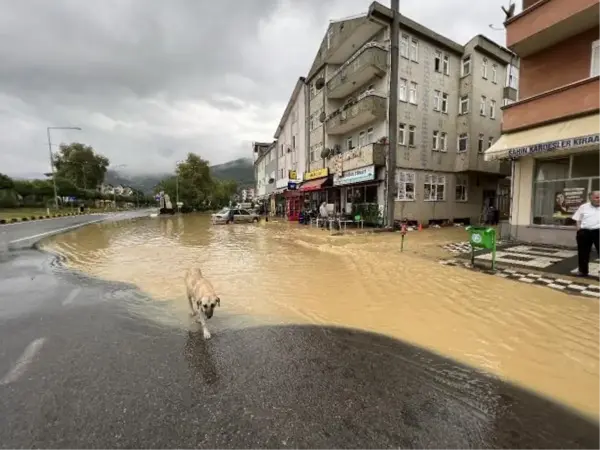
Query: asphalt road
x=83 y=365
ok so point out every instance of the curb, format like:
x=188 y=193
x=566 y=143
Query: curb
x=44 y=217
x=553 y=282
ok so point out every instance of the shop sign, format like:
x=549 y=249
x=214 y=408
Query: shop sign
x=355 y=176
x=567 y=201
x=554 y=145
x=314 y=174
x=293 y=175
x=292 y=185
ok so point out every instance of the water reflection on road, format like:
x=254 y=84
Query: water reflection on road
x=544 y=340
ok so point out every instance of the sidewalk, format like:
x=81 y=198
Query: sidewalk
x=549 y=266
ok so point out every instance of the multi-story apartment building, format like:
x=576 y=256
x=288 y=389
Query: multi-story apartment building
x=551 y=133
x=449 y=114
x=261 y=180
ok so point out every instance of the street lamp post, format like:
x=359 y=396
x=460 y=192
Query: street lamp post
x=52 y=159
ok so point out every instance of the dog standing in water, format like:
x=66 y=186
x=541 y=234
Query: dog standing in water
x=202 y=298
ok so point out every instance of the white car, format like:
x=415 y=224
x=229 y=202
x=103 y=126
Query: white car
x=234 y=215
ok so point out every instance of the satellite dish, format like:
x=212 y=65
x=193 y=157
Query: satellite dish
x=510 y=11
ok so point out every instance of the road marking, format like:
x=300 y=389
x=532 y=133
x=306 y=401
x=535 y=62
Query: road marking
x=54 y=231
x=74 y=293
x=23 y=362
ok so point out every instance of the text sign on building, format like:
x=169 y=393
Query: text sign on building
x=355 y=176
x=554 y=145
x=314 y=174
x=292 y=175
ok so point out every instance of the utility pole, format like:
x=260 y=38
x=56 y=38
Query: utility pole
x=393 y=114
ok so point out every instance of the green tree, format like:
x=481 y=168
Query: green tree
x=6 y=182
x=80 y=164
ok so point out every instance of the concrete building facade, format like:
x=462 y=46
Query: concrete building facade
x=449 y=114
x=551 y=134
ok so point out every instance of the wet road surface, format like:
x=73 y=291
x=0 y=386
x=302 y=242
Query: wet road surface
x=86 y=363
x=281 y=273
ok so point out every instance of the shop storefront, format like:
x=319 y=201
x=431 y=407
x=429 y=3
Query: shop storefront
x=554 y=168
x=359 y=191
x=314 y=188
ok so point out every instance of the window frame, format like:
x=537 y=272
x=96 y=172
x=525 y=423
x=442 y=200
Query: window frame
x=443 y=141
x=436 y=140
x=480 y=143
x=412 y=132
x=464 y=100
x=446 y=64
x=412 y=93
x=595 y=59
x=461 y=137
x=404 y=45
x=437 y=61
x=465 y=66
x=405 y=182
x=483 y=106
x=414 y=44
x=484 y=69
x=402 y=131
x=462 y=181
x=434 y=185
x=492 y=109
x=495 y=73
x=437 y=100
x=403 y=90
x=445 y=101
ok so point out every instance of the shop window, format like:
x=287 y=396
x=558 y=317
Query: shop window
x=585 y=165
x=553 y=169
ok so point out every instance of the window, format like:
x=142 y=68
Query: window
x=370 y=133
x=444 y=102
x=492 y=109
x=482 y=105
x=490 y=141
x=484 y=68
x=494 y=73
x=463 y=142
x=561 y=185
x=405 y=185
x=412 y=93
x=281 y=151
x=350 y=143
x=595 y=62
x=404 y=46
x=294 y=142
x=466 y=66
x=411 y=135
x=402 y=134
x=361 y=138
x=480 y=143
x=280 y=174
x=462 y=188
x=443 y=142
x=435 y=188
x=446 y=65
x=402 y=89
x=436 y=140
x=437 y=61
x=437 y=100
x=414 y=49
x=463 y=107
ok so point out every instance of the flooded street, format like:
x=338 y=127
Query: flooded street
x=540 y=339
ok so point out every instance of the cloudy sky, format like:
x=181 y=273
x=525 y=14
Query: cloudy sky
x=150 y=80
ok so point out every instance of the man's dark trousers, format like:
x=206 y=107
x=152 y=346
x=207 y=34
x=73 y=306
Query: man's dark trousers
x=585 y=240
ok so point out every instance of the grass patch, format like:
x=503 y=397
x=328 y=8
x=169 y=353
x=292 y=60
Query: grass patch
x=8 y=214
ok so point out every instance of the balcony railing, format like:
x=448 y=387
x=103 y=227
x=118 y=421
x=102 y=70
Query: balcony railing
x=365 y=64
x=570 y=100
x=367 y=108
x=367 y=155
x=546 y=22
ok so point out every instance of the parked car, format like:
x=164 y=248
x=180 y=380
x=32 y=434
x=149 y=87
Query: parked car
x=234 y=215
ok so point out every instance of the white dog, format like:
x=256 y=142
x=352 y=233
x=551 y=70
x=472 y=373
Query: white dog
x=202 y=298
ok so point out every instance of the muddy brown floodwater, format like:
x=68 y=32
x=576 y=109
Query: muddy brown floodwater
x=540 y=339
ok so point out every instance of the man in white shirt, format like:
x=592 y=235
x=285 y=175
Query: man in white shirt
x=587 y=217
x=323 y=213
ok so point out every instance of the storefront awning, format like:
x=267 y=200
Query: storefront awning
x=313 y=185
x=571 y=133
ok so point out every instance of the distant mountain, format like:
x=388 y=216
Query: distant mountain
x=240 y=170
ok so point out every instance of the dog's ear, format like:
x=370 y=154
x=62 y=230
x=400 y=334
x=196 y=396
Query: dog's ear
x=218 y=301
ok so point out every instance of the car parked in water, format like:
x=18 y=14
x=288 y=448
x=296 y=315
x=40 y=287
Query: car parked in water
x=234 y=215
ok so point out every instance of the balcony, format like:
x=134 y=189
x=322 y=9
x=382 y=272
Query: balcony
x=547 y=22
x=570 y=100
x=346 y=37
x=367 y=155
x=369 y=62
x=366 y=109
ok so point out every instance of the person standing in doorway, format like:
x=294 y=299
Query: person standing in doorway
x=587 y=217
